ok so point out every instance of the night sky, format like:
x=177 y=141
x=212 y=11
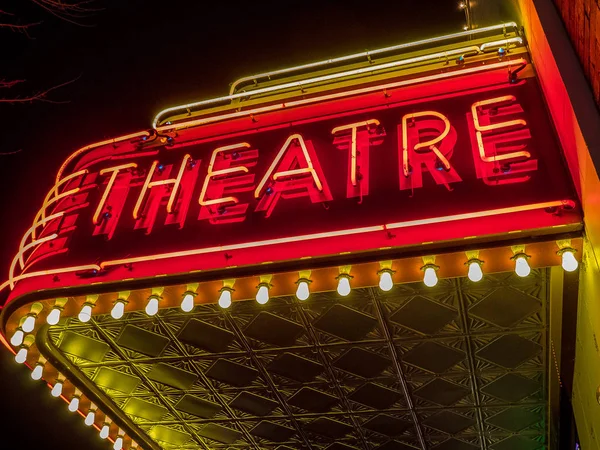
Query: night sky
x=135 y=58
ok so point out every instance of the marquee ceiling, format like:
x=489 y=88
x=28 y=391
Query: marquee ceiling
x=459 y=366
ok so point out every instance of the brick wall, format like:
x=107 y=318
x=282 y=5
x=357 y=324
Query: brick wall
x=582 y=20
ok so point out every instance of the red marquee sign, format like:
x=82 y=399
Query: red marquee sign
x=441 y=160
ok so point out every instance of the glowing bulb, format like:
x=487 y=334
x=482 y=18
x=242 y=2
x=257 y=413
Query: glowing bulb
x=569 y=263
x=74 y=404
x=104 y=431
x=21 y=356
x=302 y=292
x=475 y=273
x=430 y=277
x=90 y=418
x=187 y=304
x=462 y=5
x=225 y=299
x=17 y=338
x=57 y=389
x=343 y=287
x=54 y=316
x=86 y=313
x=37 y=372
x=152 y=306
x=28 y=324
x=118 y=445
x=262 y=296
x=118 y=309
x=522 y=266
x=385 y=280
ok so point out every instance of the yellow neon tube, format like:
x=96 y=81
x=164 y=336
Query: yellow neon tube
x=353 y=127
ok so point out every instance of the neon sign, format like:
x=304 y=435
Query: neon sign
x=317 y=179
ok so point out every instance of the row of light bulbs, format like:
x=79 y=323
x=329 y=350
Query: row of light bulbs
x=386 y=282
x=57 y=390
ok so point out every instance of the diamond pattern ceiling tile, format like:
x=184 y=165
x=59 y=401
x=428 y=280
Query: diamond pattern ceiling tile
x=506 y=307
x=509 y=351
x=115 y=380
x=310 y=399
x=219 y=433
x=449 y=422
x=253 y=404
x=442 y=392
x=517 y=443
x=232 y=373
x=387 y=425
x=198 y=407
x=362 y=363
x=514 y=419
x=168 y=435
x=273 y=329
x=146 y=410
x=272 y=431
x=375 y=396
x=142 y=341
x=346 y=323
x=433 y=357
x=206 y=336
x=423 y=315
x=295 y=367
x=511 y=388
x=455 y=444
x=333 y=429
x=395 y=445
x=83 y=346
x=172 y=376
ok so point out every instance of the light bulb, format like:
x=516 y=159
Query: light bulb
x=86 y=313
x=21 y=355
x=302 y=292
x=118 y=309
x=522 y=266
x=152 y=306
x=225 y=298
x=385 y=280
x=17 y=338
x=187 y=304
x=475 y=273
x=569 y=263
x=57 y=389
x=118 y=445
x=37 y=372
x=54 y=316
x=28 y=324
x=262 y=296
x=90 y=418
x=343 y=287
x=74 y=404
x=430 y=277
x=104 y=431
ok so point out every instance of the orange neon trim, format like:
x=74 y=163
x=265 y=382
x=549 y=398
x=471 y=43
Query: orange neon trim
x=11 y=281
x=27 y=247
x=30 y=231
x=150 y=184
x=354 y=127
x=481 y=128
x=115 y=172
x=430 y=144
x=477 y=214
x=52 y=196
x=337 y=233
x=221 y=172
x=310 y=169
x=82 y=150
x=246 y=245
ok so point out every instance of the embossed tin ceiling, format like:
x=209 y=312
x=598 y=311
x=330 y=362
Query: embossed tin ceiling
x=457 y=367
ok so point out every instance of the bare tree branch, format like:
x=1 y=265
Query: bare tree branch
x=40 y=96
x=69 y=11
